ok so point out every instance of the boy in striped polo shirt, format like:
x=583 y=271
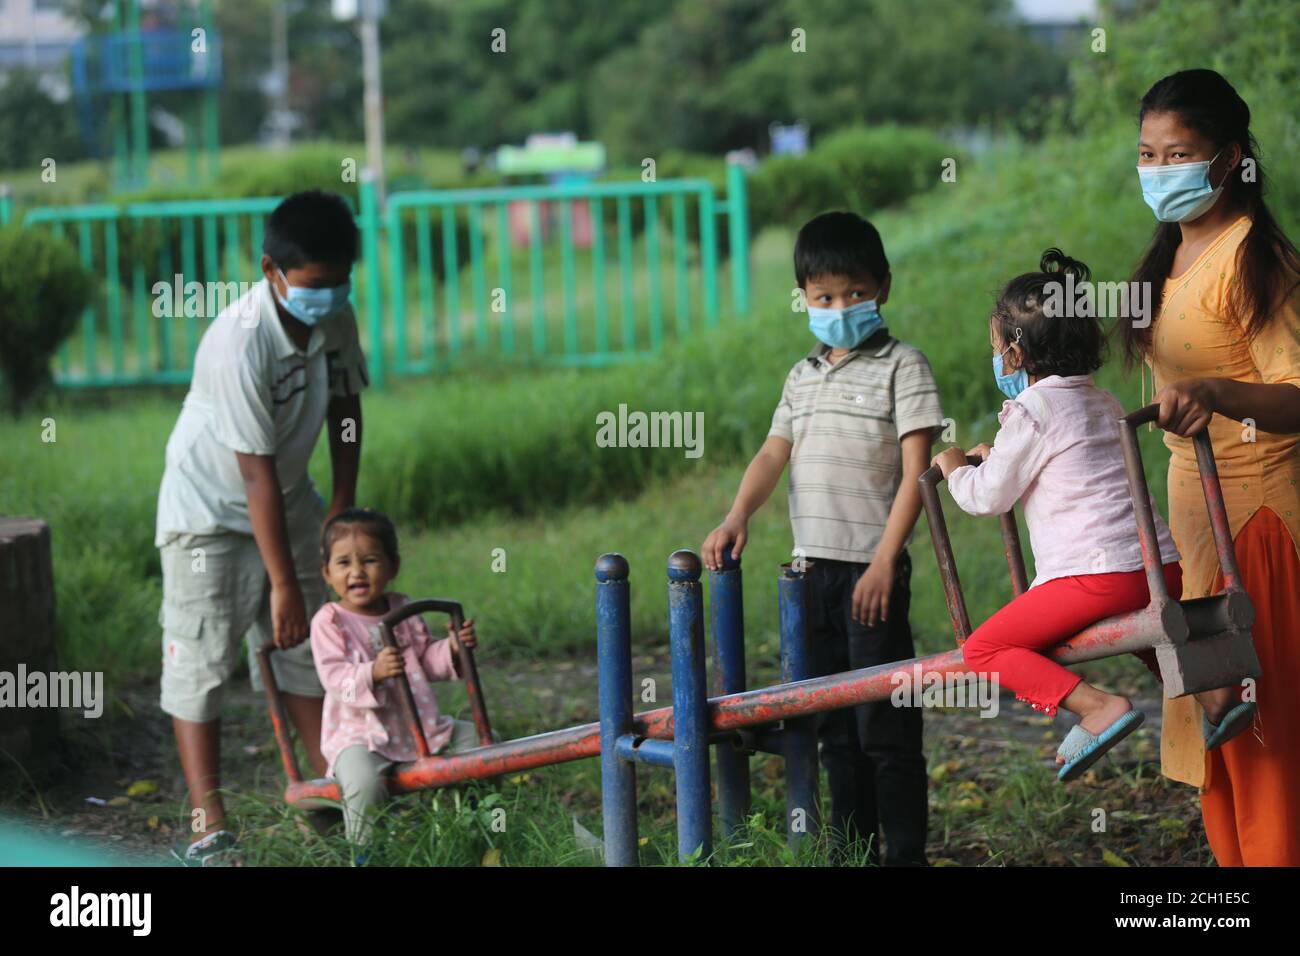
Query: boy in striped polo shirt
x=855 y=422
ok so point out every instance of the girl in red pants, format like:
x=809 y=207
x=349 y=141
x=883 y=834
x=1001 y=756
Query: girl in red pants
x=1058 y=455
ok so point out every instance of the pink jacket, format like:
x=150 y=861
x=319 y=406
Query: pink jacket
x=1058 y=454
x=344 y=645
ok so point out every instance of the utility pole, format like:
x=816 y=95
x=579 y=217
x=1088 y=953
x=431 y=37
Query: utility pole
x=280 y=69
x=374 y=96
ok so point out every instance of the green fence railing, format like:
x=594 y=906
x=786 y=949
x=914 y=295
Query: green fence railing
x=578 y=274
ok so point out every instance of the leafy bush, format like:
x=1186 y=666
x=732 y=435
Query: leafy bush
x=44 y=289
x=789 y=190
x=884 y=165
x=857 y=168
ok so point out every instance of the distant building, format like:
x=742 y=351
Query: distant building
x=1059 y=23
x=37 y=35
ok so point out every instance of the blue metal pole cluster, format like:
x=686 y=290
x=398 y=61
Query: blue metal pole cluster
x=621 y=748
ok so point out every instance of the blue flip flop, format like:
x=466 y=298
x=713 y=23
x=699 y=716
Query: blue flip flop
x=1230 y=725
x=1081 y=749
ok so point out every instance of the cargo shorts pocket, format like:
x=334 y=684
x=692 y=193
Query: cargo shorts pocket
x=202 y=640
x=197 y=662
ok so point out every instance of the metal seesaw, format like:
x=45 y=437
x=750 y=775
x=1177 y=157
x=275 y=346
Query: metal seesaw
x=1200 y=644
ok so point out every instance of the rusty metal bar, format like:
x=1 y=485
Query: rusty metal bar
x=1137 y=483
x=934 y=518
x=1209 y=470
x=1015 y=556
x=279 y=716
x=405 y=699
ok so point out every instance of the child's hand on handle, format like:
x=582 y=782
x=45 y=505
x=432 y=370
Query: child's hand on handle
x=871 y=593
x=288 y=616
x=387 y=664
x=466 y=637
x=732 y=532
x=949 y=460
x=980 y=451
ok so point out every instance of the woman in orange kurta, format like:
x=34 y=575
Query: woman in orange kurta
x=1224 y=350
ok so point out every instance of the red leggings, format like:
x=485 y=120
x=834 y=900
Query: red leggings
x=1011 y=643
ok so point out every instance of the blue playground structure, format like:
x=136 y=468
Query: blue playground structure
x=112 y=74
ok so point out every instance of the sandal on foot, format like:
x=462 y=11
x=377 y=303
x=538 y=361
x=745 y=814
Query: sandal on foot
x=203 y=852
x=1230 y=724
x=1081 y=749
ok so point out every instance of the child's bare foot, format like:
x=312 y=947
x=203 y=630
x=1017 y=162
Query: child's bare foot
x=1097 y=710
x=1216 y=703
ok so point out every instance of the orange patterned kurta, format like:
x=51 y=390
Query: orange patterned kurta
x=1258 y=470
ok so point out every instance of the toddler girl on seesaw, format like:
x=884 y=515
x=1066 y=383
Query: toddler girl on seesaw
x=363 y=734
x=1058 y=454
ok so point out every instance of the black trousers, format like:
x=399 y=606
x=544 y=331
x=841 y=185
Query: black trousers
x=872 y=753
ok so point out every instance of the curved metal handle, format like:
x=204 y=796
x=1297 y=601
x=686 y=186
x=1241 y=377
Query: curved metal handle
x=406 y=700
x=947 y=561
x=465 y=658
x=1213 y=490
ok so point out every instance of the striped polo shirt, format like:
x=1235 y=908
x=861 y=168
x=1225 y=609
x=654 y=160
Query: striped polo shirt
x=844 y=424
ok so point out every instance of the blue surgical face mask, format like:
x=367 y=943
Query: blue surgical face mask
x=845 y=328
x=1180 y=192
x=309 y=305
x=1013 y=384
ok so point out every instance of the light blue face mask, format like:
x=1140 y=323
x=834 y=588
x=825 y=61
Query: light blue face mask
x=309 y=305
x=845 y=328
x=1180 y=192
x=1015 y=383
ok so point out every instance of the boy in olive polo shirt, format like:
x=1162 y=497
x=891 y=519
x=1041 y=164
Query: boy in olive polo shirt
x=239 y=518
x=856 y=421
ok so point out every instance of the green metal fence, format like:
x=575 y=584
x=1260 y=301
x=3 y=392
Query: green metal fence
x=211 y=246
x=588 y=274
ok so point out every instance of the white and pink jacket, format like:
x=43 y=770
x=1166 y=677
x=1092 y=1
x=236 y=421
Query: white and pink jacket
x=1058 y=454
x=344 y=645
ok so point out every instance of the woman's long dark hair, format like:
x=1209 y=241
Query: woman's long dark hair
x=1268 y=265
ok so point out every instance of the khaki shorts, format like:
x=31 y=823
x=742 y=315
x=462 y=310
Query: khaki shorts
x=216 y=593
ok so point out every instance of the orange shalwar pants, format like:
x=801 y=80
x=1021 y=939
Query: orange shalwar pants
x=1251 y=802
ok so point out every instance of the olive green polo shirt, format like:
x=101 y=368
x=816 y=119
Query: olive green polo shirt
x=844 y=424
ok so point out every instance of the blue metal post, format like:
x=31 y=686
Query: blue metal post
x=614 y=653
x=800 y=735
x=690 y=705
x=727 y=613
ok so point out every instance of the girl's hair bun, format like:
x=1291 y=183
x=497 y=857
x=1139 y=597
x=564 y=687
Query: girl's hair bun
x=1054 y=260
